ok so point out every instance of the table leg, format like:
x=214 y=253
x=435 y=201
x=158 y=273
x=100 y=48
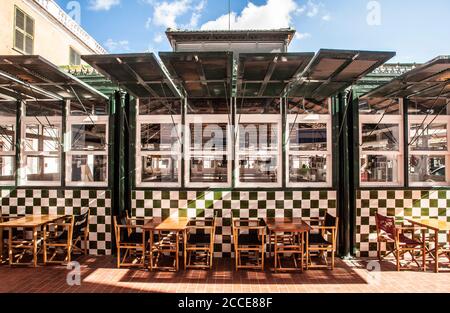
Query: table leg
x=275 y=248
x=35 y=244
x=10 y=248
x=151 y=250
x=177 y=251
x=307 y=250
x=45 y=244
x=436 y=251
x=302 y=253
x=1 y=244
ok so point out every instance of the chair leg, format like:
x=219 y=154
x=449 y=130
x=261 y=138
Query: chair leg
x=397 y=254
x=118 y=257
x=332 y=260
x=379 y=251
x=85 y=246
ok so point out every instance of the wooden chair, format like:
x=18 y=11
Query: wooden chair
x=129 y=239
x=395 y=236
x=322 y=240
x=249 y=236
x=81 y=233
x=200 y=238
x=59 y=238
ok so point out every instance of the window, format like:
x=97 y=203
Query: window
x=158 y=143
x=208 y=144
x=7 y=143
x=74 y=58
x=258 y=148
x=429 y=152
x=309 y=145
x=381 y=143
x=23 y=32
x=41 y=144
x=87 y=144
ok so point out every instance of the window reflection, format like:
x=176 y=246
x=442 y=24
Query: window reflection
x=89 y=168
x=208 y=137
x=428 y=137
x=380 y=137
x=209 y=169
x=258 y=137
x=427 y=168
x=7 y=138
x=379 y=168
x=258 y=169
x=311 y=169
x=157 y=168
x=7 y=166
x=159 y=137
x=308 y=137
x=89 y=137
x=43 y=168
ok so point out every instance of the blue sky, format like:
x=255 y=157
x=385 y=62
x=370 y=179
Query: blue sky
x=417 y=30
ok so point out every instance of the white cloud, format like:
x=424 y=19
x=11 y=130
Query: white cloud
x=148 y=23
x=117 y=46
x=102 y=5
x=302 y=36
x=158 y=38
x=273 y=14
x=166 y=13
x=326 y=17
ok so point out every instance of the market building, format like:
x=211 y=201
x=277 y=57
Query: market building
x=228 y=124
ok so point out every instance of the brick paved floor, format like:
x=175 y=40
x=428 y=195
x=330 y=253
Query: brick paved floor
x=100 y=275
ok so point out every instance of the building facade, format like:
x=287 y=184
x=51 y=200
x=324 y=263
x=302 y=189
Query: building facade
x=41 y=27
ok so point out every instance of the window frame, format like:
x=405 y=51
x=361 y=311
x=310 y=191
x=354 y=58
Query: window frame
x=303 y=119
x=259 y=119
x=85 y=120
x=400 y=154
x=78 y=54
x=23 y=31
x=31 y=120
x=157 y=119
x=207 y=119
x=6 y=121
x=418 y=119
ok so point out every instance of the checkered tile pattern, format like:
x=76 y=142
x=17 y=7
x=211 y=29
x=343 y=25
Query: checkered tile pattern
x=399 y=204
x=35 y=202
x=228 y=204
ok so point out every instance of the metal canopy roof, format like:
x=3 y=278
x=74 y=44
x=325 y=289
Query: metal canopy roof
x=267 y=74
x=430 y=80
x=202 y=74
x=33 y=77
x=334 y=70
x=140 y=74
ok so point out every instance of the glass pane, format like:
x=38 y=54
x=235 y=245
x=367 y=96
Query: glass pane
x=7 y=168
x=379 y=106
x=163 y=169
x=308 y=137
x=258 y=169
x=307 y=106
x=311 y=169
x=20 y=19
x=208 y=106
x=42 y=168
x=7 y=138
x=43 y=109
x=209 y=169
x=379 y=168
x=89 y=108
x=88 y=137
x=258 y=105
x=381 y=137
x=159 y=107
x=89 y=168
x=430 y=106
x=208 y=137
x=28 y=45
x=40 y=138
x=427 y=168
x=159 y=137
x=30 y=26
x=19 y=42
x=428 y=137
x=258 y=137
x=8 y=109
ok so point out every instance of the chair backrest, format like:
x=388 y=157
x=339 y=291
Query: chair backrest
x=80 y=224
x=330 y=221
x=386 y=225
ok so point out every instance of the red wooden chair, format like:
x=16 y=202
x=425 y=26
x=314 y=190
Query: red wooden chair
x=401 y=244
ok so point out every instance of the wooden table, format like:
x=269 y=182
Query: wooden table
x=28 y=222
x=436 y=226
x=171 y=225
x=296 y=227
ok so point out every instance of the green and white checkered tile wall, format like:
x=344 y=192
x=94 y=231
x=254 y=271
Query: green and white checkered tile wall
x=227 y=204
x=400 y=204
x=22 y=202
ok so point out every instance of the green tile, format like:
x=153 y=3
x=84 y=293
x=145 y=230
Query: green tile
x=244 y=204
x=262 y=204
x=279 y=204
x=270 y=213
x=271 y=195
x=165 y=195
x=288 y=195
